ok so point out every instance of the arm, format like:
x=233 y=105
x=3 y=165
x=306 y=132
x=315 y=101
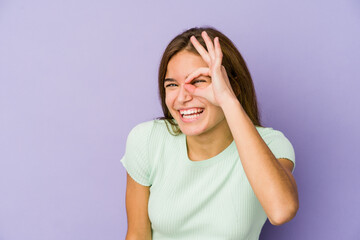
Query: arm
x=137 y=197
x=270 y=178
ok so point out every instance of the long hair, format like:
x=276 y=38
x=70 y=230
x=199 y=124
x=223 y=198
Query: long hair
x=236 y=69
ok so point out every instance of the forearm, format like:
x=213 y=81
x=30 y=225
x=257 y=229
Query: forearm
x=273 y=186
x=137 y=237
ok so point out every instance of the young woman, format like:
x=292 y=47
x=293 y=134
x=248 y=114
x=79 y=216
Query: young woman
x=207 y=169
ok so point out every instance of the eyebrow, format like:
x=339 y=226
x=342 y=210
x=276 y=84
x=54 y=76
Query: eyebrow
x=173 y=80
x=169 y=80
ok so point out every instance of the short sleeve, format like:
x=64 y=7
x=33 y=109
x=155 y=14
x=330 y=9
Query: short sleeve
x=279 y=145
x=136 y=157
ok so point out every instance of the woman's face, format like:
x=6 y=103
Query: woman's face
x=194 y=115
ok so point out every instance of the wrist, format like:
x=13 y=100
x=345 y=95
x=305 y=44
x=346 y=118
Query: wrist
x=229 y=103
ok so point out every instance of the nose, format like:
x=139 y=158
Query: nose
x=183 y=95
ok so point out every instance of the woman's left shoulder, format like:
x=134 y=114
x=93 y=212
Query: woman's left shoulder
x=278 y=143
x=272 y=136
x=266 y=132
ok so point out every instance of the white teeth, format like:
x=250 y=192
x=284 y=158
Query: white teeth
x=191 y=111
x=191 y=116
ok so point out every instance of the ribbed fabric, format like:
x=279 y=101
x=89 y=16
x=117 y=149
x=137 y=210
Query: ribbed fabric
x=204 y=200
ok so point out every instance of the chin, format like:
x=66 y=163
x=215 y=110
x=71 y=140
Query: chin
x=192 y=130
x=190 y=133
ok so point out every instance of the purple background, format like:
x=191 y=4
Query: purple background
x=76 y=76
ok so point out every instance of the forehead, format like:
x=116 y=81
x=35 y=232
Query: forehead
x=183 y=63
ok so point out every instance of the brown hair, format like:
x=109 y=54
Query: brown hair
x=236 y=69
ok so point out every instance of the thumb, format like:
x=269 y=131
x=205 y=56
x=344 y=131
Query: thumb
x=190 y=88
x=200 y=92
x=195 y=91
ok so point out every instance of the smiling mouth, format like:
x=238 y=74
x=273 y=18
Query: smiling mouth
x=191 y=114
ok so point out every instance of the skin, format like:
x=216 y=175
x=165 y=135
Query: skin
x=137 y=198
x=201 y=81
x=202 y=135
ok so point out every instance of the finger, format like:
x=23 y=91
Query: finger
x=201 y=50
x=209 y=44
x=223 y=70
x=190 y=88
x=218 y=52
x=203 y=71
x=199 y=92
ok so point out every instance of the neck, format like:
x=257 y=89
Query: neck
x=210 y=144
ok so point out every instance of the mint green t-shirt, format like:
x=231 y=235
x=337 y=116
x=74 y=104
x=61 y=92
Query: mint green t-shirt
x=204 y=200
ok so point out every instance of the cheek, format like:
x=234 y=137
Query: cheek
x=168 y=105
x=220 y=114
x=216 y=113
x=169 y=100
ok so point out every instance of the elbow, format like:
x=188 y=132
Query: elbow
x=284 y=215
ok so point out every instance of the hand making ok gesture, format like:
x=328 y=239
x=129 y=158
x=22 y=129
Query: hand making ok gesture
x=219 y=90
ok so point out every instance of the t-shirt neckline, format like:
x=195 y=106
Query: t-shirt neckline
x=207 y=162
